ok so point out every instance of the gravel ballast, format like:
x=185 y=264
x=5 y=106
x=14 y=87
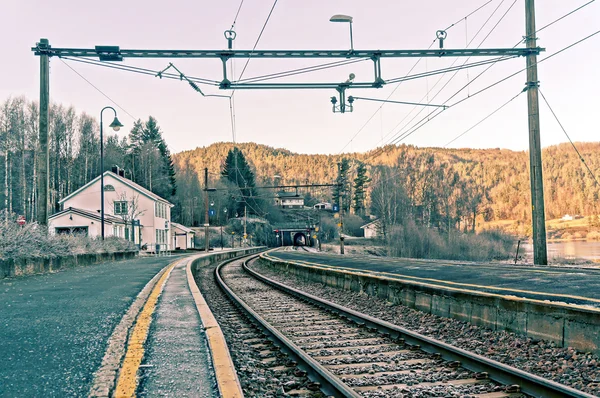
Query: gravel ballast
x=543 y=358
x=261 y=374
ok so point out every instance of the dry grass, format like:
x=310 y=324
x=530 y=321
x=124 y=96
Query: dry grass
x=33 y=240
x=416 y=241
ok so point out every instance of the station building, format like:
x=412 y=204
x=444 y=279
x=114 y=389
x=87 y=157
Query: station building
x=130 y=211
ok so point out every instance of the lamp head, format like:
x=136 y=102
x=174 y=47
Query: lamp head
x=341 y=18
x=116 y=124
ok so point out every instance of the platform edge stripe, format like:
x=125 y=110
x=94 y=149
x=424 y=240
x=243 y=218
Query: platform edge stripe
x=106 y=376
x=127 y=381
x=226 y=375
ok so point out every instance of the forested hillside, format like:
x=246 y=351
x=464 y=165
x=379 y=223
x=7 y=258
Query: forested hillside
x=499 y=176
x=437 y=187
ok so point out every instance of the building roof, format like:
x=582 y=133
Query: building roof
x=288 y=195
x=370 y=223
x=183 y=228
x=125 y=181
x=88 y=214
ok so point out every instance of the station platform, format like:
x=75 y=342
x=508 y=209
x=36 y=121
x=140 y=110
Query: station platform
x=579 y=286
x=177 y=362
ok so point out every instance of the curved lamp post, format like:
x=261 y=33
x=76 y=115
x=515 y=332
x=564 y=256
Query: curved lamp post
x=116 y=126
x=344 y=18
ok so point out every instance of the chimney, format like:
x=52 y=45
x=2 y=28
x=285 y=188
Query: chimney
x=122 y=172
x=115 y=169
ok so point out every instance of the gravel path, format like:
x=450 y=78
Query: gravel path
x=262 y=371
x=564 y=365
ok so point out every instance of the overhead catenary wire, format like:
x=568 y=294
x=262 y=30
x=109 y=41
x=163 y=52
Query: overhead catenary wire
x=542 y=28
x=397 y=102
x=451 y=69
x=380 y=150
x=484 y=119
x=100 y=91
x=399 y=133
x=569 y=138
x=236 y=15
x=299 y=71
x=400 y=82
x=139 y=70
x=232 y=103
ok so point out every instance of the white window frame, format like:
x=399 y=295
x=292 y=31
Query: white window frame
x=122 y=206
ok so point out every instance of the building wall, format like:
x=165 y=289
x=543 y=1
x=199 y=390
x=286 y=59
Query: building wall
x=370 y=231
x=80 y=221
x=89 y=199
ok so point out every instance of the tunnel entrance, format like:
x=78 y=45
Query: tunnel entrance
x=299 y=239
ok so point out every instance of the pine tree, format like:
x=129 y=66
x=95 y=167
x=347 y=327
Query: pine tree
x=237 y=171
x=360 y=185
x=342 y=189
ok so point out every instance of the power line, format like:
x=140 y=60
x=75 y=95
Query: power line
x=237 y=14
x=402 y=135
x=400 y=82
x=258 y=39
x=377 y=152
x=562 y=17
x=299 y=71
x=451 y=69
x=483 y=120
x=397 y=102
x=572 y=144
x=139 y=70
x=100 y=91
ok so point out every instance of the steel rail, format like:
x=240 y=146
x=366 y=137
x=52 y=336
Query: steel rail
x=530 y=384
x=330 y=384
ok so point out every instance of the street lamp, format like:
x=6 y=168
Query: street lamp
x=344 y=18
x=116 y=126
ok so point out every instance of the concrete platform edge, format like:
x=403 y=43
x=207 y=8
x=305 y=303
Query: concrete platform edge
x=227 y=381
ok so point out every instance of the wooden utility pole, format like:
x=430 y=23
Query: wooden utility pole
x=206 y=223
x=341 y=205
x=245 y=224
x=540 y=255
x=43 y=165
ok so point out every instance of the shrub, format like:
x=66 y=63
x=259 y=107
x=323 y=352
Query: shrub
x=416 y=241
x=593 y=235
x=33 y=240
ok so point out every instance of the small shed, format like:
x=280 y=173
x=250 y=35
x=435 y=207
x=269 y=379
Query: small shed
x=183 y=237
x=371 y=230
x=323 y=206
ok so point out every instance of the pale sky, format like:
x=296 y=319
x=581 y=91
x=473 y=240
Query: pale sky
x=302 y=120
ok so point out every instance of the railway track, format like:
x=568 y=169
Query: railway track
x=348 y=354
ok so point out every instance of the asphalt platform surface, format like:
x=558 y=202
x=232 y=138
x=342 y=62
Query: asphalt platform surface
x=579 y=286
x=177 y=361
x=54 y=327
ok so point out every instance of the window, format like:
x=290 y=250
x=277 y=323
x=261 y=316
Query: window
x=121 y=207
x=161 y=236
x=109 y=188
x=160 y=210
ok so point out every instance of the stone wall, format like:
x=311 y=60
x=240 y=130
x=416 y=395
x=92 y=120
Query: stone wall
x=222 y=256
x=39 y=265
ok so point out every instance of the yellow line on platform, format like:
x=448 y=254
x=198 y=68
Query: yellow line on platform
x=442 y=282
x=128 y=380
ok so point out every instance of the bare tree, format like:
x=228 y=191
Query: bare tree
x=130 y=212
